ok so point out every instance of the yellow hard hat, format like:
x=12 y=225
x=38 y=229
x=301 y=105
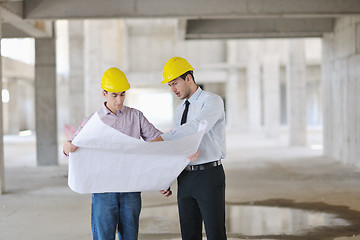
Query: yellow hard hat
x=114 y=80
x=174 y=68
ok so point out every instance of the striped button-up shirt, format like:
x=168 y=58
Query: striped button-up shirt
x=129 y=121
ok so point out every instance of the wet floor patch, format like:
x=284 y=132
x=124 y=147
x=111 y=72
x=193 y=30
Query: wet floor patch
x=270 y=219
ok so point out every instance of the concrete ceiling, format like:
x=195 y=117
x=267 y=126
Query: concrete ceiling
x=202 y=19
x=258 y=28
x=15 y=26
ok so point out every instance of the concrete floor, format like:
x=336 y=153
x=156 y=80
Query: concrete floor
x=39 y=205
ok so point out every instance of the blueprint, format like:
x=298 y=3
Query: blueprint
x=110 y=161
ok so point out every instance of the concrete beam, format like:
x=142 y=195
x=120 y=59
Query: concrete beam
x=14 y=26
x=70 y=9
x=202 y=76
x=12 y=68
x=258 y=28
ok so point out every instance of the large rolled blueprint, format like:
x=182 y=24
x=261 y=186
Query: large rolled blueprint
x=110 y=161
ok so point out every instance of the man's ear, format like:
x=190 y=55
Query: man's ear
x=104 y=93
x=188 y=78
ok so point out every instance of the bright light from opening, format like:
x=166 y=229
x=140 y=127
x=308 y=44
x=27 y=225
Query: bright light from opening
x=316 y=147
x=25 y=133
x=5 y=96
x=157 y=105
x=21 y=49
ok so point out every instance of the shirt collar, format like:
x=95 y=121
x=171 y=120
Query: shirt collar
x=195 y=96
x=107 y=111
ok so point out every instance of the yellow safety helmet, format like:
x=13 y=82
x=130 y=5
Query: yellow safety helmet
x=174 y=68
x=114 y=80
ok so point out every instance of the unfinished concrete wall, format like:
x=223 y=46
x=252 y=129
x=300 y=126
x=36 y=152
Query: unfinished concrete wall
x=152 y=42
x=141 y=47
x=341 y=88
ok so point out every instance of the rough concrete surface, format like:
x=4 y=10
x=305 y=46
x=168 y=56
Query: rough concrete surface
x=260 y=173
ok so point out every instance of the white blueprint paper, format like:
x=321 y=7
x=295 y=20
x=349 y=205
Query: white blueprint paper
x=110 y=161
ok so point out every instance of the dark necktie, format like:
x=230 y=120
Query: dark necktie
x=184 y=116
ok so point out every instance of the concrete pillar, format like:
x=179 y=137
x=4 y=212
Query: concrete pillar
x=2 y=165
x=124 y=44
x=101 y=52
x=76 y=75
x=253 y=95
x=296 y=92
x=271 y=85
x=232 y=86
x=341 y=87
x=45 y=102
x=232 y=100
x=27 y=107
x=328 y=78
x=13 y=113
x=5 y=106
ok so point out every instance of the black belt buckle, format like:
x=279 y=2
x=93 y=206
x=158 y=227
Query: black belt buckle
x=204 y=166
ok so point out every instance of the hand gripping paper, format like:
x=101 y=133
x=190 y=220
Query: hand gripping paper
x=110 y=161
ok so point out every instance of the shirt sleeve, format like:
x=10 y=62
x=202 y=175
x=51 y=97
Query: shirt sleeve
x=148 y=131
x=212 y=111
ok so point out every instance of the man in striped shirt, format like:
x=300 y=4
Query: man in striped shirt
x=117 y=211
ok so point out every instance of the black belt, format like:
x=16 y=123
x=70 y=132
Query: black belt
x=202 y=166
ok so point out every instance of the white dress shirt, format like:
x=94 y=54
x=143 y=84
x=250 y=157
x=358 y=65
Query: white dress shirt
x=203 y=106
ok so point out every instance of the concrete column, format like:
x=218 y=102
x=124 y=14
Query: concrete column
x=101 y=52
x=271 y=85
x=341 y=87
x=296 y=92
x=232 y=86
x=232 y=100
x=45 y=102
x=253 y=95
x=13 y=113
x=124 y=44
x=76 y=75
x=27 y=108
x=5 y=106
x=2 y=165
x=328 y=79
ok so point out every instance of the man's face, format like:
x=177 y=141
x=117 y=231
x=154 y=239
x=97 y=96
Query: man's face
x=180 y=87
x=114 y=101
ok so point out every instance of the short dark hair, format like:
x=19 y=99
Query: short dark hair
x=188 y=72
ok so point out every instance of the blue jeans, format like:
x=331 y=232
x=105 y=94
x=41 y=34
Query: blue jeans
x=111 y=211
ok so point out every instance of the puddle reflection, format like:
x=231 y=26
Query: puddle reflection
x=245 y=220
x=263 y=220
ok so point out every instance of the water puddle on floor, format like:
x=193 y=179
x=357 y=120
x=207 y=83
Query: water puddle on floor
x=263 y=220
x=271 y=219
